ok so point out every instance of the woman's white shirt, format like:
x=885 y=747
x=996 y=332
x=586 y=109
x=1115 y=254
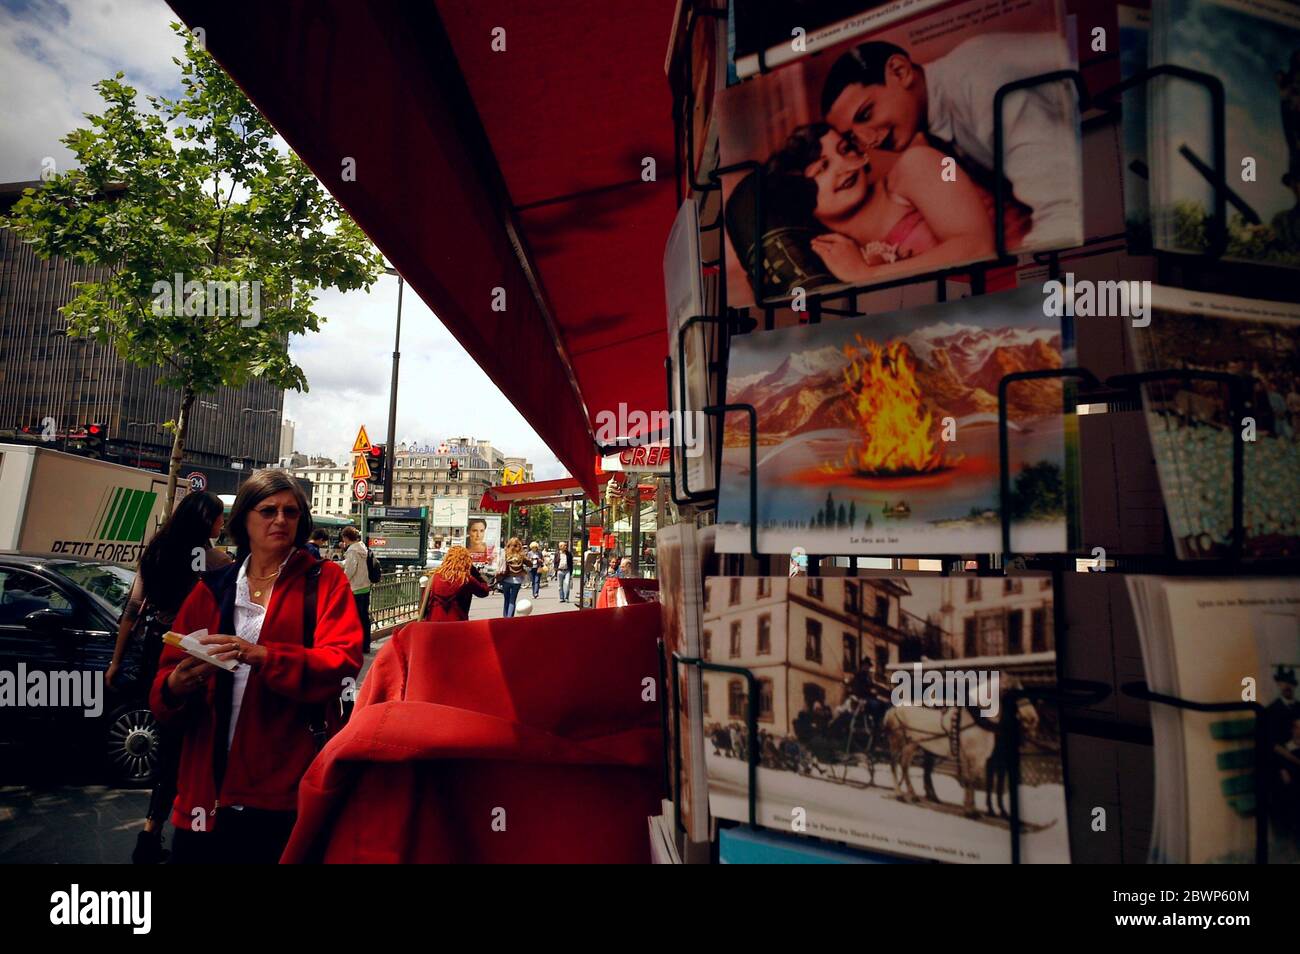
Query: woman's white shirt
x=249 y=617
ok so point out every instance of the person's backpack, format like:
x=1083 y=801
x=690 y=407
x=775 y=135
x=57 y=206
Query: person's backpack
x=373 y=569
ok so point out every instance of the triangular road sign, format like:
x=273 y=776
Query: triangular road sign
x=362 y=444
x=360 y=469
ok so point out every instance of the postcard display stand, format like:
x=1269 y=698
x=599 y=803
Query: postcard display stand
x=1106 y=737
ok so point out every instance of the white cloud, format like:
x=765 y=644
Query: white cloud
x=52 y=53
x=441 y=391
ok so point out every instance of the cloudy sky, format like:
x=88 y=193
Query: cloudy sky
x=51 y=54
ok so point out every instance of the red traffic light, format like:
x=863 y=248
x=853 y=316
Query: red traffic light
x=93 y=428
x=376 y=450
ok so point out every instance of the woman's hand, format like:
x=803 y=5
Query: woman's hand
x=842 y=256
x=110 y=677
x=189 y=676
x=232 y=647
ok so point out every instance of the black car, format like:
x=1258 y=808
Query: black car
x=59 y=615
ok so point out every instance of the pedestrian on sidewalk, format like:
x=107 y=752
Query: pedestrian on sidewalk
x=451 y=588
x=166 y=574
x=535 y=562
x=563 y=569
x=319 y=538
x=288 y=623
x=357 y=564
x=511 y=572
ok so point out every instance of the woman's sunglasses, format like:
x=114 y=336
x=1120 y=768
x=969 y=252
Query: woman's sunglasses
x=268 y=513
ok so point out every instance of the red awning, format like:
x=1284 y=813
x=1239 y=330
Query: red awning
x=478 y=169
x=499 y=499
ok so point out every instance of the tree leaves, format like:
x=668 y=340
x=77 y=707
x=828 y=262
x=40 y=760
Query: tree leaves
x=195 y=187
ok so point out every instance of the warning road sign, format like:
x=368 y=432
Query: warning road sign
x=361 y=490
x=360 y=469
x=362 y=444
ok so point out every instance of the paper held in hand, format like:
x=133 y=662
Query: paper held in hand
x=196 y=649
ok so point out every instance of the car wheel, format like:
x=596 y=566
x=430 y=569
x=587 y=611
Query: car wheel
x=131 y=744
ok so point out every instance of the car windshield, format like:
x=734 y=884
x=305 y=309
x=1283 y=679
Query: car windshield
x=106 y=582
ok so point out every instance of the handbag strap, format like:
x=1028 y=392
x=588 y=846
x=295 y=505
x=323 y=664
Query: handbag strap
x=311 y=590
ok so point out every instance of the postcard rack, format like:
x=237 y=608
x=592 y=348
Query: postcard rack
x=1068 y=693
x=1262 y=754
x=1189 y=269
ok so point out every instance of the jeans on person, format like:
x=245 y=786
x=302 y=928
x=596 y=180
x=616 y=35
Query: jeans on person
x=536 y=576
x=566 y=576
x=363 y=610
x=510 y=589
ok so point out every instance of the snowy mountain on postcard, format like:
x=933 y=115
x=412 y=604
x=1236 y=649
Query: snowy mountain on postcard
x=879 y=434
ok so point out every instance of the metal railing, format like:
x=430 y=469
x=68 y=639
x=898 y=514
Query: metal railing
x=395 y=599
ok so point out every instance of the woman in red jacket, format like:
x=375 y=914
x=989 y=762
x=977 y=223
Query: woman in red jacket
x=451 y=588
x=290 y=624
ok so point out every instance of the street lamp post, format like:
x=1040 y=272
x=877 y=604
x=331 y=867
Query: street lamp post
x=392 y=396
x=139 y=444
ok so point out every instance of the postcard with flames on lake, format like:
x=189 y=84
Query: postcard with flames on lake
x=879 y=434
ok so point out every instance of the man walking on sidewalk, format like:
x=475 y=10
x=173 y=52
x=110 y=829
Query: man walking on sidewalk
x=356 y=566
x=563 y=569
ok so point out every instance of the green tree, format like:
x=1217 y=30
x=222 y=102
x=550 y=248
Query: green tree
x=196 y=187
x=536 y=526
x=1039 y=492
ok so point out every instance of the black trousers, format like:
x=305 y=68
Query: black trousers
x=363 y=608
x=253 y=836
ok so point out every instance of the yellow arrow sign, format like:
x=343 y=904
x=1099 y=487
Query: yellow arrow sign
x=362 y=444
x=360 y=469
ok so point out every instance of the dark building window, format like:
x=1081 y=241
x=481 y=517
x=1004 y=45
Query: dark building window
x=708 y=644
x=882 y=660
x=765 y=699
x=764 y=634
x=735 y=640
x=1012 y=585
x=735 y=699
x=850 y=652
x=850 y=597
x=1038 y=643
x=970 y=639
x=815 y=587
x=813 y=646
x=1015 y=631
x=735 y=592
x=764 y=587
x=882 y=610
x=705 y=696
x=973 y=588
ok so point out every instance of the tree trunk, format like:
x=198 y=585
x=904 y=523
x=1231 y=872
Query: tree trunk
x=178 y=448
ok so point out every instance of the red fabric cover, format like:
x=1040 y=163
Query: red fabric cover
x=448 y=602
x=273 y=744
x=543 y=716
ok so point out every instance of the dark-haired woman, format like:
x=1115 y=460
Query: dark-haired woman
x=168 y=570
x=288 y=622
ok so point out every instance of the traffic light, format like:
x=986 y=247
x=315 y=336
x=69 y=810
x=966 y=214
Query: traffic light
x=523 y=513
x=453 y=470
x=92 y=443
x=378 y=462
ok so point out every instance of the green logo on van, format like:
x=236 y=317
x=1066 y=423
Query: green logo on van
x=123 y=514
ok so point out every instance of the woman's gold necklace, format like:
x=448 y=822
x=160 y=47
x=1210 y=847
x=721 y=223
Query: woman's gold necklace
x=257 y=594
